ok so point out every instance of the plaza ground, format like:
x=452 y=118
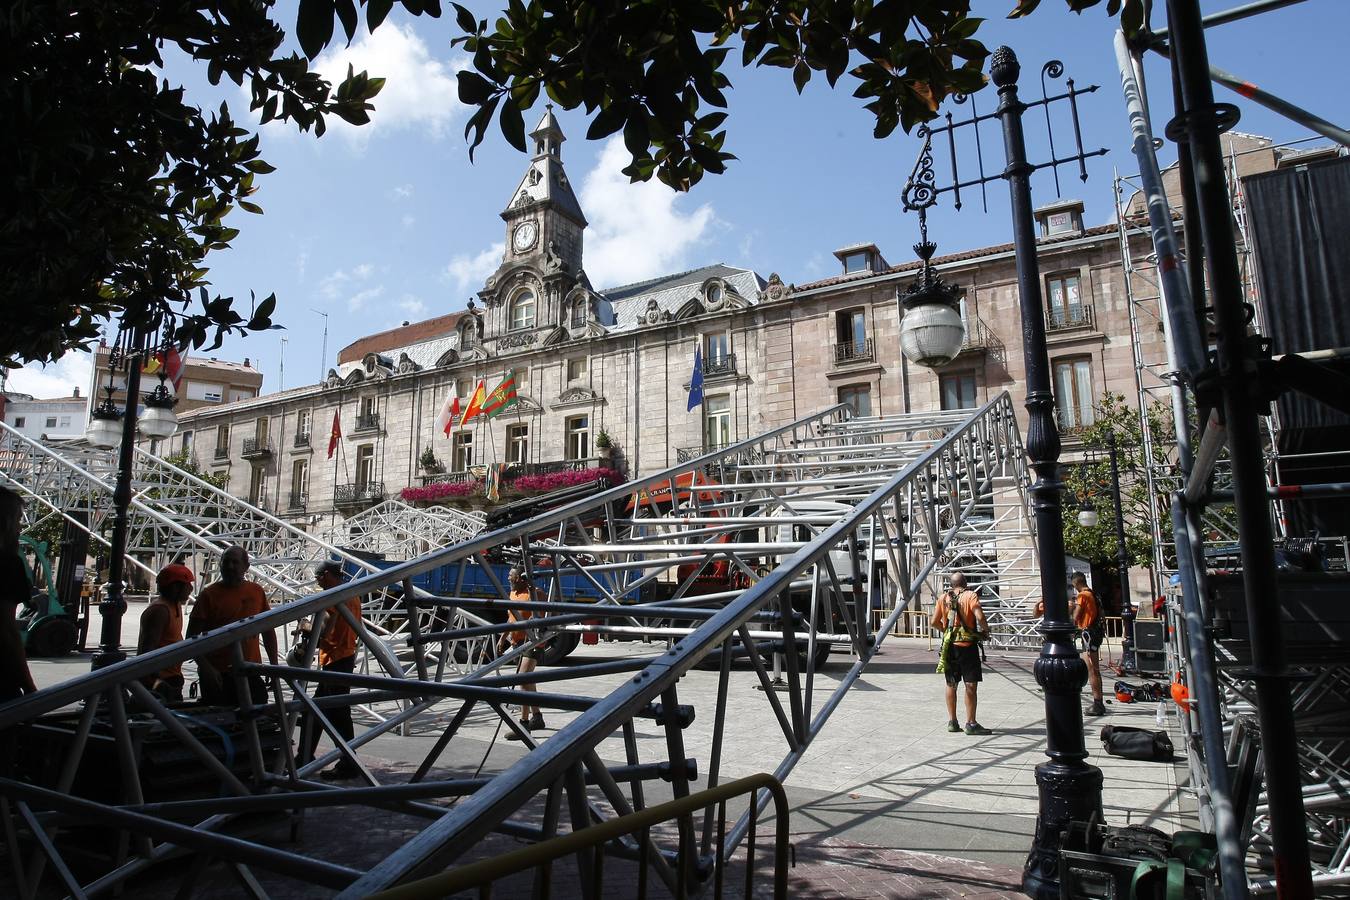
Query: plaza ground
x=885 y=803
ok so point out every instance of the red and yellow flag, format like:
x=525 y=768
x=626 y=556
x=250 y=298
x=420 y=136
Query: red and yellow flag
x=475 y=404
x=334 y=434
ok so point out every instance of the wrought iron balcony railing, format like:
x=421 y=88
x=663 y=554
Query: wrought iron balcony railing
x=684 y=454
x=298 y=500
x=358 y=492
x=302 y=439
x=1076 y=316
x=368 y=422
x=719 y=365
x=257 y=448
x=222 y=452
x=854 y=352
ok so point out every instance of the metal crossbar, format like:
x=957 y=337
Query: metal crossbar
x=760 y=558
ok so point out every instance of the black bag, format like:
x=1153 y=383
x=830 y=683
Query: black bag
x=1137 y=743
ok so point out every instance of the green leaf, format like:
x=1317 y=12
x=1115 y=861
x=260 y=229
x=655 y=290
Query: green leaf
x=512 y=122
x=1024 y=8
x=314 y=26
x=465 y=20
x=376 y=10
x=346 y=11
x=473 y=88
x=801 y=74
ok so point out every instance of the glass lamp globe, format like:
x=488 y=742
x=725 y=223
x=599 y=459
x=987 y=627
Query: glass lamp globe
x=931 y=334
x=105 y=429
x=1087 y=517
x=157 y=421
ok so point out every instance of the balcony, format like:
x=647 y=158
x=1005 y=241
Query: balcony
x=445 y=477
x=257 y=448
x=298 y=501
x=684 y=454
x=1068 y=317
x=302 y=439
x=369 y=421
x=718 y=366
x=852 y=352
x=358 y=493
x=222 y=452
x=515 y=470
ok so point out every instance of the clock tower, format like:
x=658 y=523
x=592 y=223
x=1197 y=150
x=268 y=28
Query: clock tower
x=544 y=222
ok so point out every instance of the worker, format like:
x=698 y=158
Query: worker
x=222 y=603
x=15 y=587
x=162 y=626
x=337 y=653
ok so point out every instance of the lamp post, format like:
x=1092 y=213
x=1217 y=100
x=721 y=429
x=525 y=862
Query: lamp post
x=158 y=422
x=931 y=328
x=1069 y=788
x=1128 y=661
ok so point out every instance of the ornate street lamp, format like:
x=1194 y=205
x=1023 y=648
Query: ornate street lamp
x=932 y=331
x=105 y=432
x=1087 y=515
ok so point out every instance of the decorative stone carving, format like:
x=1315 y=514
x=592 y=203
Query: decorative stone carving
x=714 y=294
x=553 y=262
x=775 y=290
x=509 y=341
x=406 y=365
x=534 y=176
x=448 y=358
x=653 y=314
x=332 y=379
x=578 y=395
x=527 y=404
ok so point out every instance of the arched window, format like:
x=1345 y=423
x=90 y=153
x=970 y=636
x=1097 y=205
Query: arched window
x=579 y=312
x=522 y=310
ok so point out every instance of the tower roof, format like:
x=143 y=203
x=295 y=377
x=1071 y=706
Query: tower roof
x=545 y=180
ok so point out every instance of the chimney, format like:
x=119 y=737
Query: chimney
x=245 y=362
x=76 y=395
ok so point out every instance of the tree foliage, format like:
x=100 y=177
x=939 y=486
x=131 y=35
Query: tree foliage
x=1089 y=483
x=652 y=69
x=118 y=188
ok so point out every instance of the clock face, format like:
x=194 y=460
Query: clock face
x=524 y=236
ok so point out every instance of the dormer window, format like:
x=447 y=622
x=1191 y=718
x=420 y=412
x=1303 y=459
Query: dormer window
x=579 y=313
x=860 y=258
x=1060 y=217
x=522 y=310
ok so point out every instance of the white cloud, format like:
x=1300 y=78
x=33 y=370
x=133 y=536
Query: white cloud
x=636 y=231
x=419 y=90
x=360 y=298
x=352 y=286
x=401 y=192
x=413 y=306
x=59 y=379
x=467 y=271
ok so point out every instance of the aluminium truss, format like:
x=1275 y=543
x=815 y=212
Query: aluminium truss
x=1223 y=743
x=395 y=530
x=775 y=547
x=174 y=516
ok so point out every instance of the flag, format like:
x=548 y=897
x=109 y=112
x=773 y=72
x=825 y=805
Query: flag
x=152 y=364
x=475 y=404
x=493 y=487
x=173 y=367
x=334 y=434
x=502 y=396
x=696 y=381
x=445 y=421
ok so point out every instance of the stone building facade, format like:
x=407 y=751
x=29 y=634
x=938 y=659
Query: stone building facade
x=620 y=360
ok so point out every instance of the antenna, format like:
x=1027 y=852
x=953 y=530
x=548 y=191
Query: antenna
x=281 y=359
x=323 y=357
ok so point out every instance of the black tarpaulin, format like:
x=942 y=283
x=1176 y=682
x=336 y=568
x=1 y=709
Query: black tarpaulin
x=1300 y=227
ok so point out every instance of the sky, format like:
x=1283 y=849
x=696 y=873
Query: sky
x=369 y=227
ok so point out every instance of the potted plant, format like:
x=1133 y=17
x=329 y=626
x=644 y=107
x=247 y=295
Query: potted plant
x=603 y=445
x=429 y=462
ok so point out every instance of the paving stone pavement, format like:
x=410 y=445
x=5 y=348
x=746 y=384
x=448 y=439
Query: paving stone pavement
x=885 y=802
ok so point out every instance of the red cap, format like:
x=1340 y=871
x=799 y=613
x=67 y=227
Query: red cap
x=175 y=574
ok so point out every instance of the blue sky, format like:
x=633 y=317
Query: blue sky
x=391 y=222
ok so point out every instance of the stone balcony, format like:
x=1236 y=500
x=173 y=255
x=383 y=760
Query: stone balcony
x=257 y=448
x=358 y=493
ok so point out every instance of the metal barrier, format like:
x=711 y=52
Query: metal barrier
x=588 y=845
x=773 y=549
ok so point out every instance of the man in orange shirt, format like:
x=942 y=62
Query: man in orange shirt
x=222 y=603
x=964 y=665
x=337 y=653
x=162 y=625
x=1087 y=618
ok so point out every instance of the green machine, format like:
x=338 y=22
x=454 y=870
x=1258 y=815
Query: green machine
x=54 y=619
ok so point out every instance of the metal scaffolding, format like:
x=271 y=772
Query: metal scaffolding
x=1199 y=534
x=773 y=550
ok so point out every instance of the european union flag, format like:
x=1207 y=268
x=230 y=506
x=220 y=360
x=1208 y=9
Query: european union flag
x=696 y=382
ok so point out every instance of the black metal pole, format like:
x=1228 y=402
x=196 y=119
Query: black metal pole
x=114 y=603
x=1069 y=788
x=1236 y=374
x=1127 y=657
